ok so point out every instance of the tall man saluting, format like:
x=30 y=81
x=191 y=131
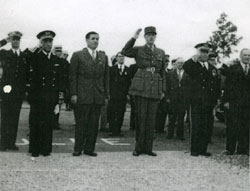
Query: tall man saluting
x=148 y=86
x=89 y=85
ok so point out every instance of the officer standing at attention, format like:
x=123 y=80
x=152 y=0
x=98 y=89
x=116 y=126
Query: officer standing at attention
x=13 y=87
x=44 y=92
x=148 y=87
x=204 y=94
x=89 y=87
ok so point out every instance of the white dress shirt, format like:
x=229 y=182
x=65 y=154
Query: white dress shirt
x=16 y=51
x=92 y=53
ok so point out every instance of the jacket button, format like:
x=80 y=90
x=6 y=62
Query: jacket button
x=53 y=85
x=54 y=79
x=43 y=84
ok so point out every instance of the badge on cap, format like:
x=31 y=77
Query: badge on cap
x=7 y=89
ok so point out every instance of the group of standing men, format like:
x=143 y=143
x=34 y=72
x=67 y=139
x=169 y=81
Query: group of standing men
x=193 y=85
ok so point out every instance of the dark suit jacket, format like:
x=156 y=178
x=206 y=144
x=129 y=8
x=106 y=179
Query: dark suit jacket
x=89 y=79
x=119 y=83
x=237 y=86
x=205 y=83
x=178 y=92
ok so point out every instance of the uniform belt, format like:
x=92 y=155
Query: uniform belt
x=150 y=69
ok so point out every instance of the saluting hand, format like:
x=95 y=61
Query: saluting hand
x=8 y=39
x=226 y=106
x=137 y=33
x=74 y=99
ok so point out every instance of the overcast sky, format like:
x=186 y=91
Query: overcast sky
x=180 y=23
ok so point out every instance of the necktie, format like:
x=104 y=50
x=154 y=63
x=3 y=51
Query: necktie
x=120 y=69
x=93 y=54
x=179 y=75
x=16 y=53
x=246 y=69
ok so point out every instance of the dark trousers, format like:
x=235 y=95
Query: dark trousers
x=87 y=118
x=201 y=117
x=104 y=116
x=176 y=118
x=133 y=115
x=117 y=110
x=237 y=122
x=161 y=115
x=42 y=122
x=10 y=112
x=146 y=115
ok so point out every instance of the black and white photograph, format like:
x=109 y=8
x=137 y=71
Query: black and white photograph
x=124 y=95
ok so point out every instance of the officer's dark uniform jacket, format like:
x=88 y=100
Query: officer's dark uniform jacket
x=204 y=83
x=149 y=80
x=46 y=77
x=15 y=69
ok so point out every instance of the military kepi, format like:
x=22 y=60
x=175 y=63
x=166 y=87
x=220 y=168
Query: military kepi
x=46 y=35
x=150 y=29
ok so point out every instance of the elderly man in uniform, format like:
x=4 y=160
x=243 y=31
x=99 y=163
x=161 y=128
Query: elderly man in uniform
x=89 y=87
x=236 y=100
x=204 y=95
x=148 y=87
x=13 y=87
x=45 y=88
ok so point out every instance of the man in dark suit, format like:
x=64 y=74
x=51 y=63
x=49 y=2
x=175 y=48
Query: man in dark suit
x=89 y=87
x=236 y=100
x=13 y=88
x=204 y=94
x=177 y=95
x=163 y=106
x=148 y=86
x=119 y=86
x=44 y=91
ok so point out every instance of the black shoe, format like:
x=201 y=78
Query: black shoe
x=229 y=153
x=160 y=132
x=13 y=148
x=35 y=155
x=194 y=154
x=57 y=128
x=104 y=130
x=242 y=153
x=206 y=154
x=92 y=154
x=116 y=135
x=76 y=154
x=181 y=138
x=46 y=154
x=151 y=153
x=169 y=137
x=3 y=148
x=136 y=153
